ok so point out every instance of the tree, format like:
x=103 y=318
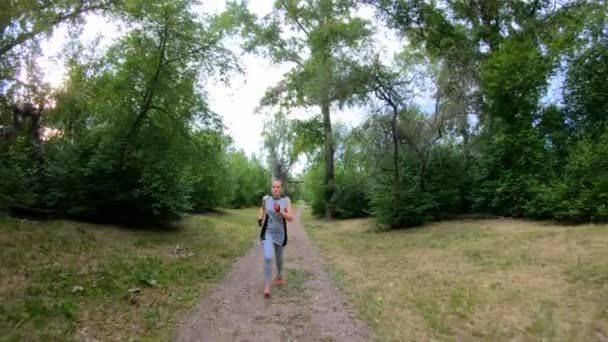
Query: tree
x=429 y=166
x=246 y=179
x=279 y=137
x=352 y=176
x=137 y=138
x=22 y=24
x=580 y=136
x=586 y=92
x=320 y=39
x=209 y=169
x=498 y=56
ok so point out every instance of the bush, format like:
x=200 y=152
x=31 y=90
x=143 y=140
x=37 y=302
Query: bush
x=313 y=188
x=352 y=195
x=447 y=180
x=512 y=166
x=412 y=206
x=582 y=194
x=210 y=189
x=246 y=180
x=98 y=180
x=20 y=175
x=426 y=192
x=351 y=198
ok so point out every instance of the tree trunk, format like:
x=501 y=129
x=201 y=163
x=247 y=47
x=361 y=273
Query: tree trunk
x=329 y=161
x=148 y=96
x=422 y=175
x=37 y=133
x=397 y=184
x=465 y=146
x=467 y=168
x=325 y=102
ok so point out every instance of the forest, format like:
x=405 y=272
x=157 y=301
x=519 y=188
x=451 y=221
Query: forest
x=129 y=137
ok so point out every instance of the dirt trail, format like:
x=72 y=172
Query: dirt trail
x=307 y=308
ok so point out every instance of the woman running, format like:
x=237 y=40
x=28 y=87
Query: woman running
x=273 y=216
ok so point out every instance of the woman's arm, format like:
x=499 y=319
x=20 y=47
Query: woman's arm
x=261 y=213
x=288 y=215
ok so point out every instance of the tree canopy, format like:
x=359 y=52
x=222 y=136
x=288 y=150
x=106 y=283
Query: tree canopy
x=130 y=135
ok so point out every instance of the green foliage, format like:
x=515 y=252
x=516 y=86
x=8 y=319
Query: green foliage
x=432 y=179
x=352 y=195
x=313 y=188
x=208 y=172
x=246 y=180
x=511 y=168
x=495 y=59
x=586 y=92
x=429 y=189
x=321 y=39
x=582 y=193
x=88 y=271
x=549 y=165
x=308 y=137
x=24 y=22
x=20 y=181
x=137 y=142
x=404 y=206
x=279 y=137
x=513 y=80
x=579 y=193
x=352 y=182
x=447 y=180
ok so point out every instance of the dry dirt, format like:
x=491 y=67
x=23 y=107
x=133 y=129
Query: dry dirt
x=308 y=307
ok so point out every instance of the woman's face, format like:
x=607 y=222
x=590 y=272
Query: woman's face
x=277 y=188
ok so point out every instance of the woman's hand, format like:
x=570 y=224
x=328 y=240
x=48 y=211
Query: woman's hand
x=261 y=212
x=287 y=213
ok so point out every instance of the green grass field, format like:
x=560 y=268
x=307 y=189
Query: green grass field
x=70 y=281
x=473 y=280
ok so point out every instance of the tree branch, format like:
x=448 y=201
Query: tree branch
x=191 y=52
x=148 y=96
x=295 y=19
x=25 y=36
x=170 y=116
x=21 y=83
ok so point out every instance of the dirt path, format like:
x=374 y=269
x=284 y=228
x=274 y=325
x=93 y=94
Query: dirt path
x=307 y=308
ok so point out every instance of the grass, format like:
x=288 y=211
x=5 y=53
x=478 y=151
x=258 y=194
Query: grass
x=74 y=281
x=472 y=280
x=295 y=283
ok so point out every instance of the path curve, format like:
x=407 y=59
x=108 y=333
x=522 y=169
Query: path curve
x=308 y=308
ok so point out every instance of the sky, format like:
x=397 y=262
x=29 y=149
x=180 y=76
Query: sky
x=236 y=102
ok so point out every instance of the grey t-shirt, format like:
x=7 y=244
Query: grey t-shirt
x=274 y=226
